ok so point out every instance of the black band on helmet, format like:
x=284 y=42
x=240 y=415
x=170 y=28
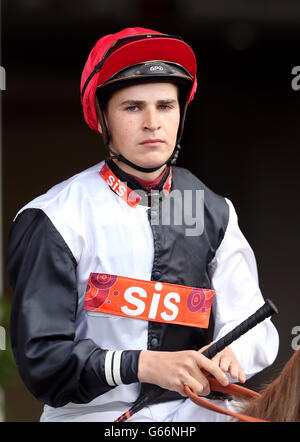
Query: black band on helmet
x=154 y=70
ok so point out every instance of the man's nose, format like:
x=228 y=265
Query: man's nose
x=151 y=120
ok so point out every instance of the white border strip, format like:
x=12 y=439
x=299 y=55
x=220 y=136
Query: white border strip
x=108 y=368
x=117 y=367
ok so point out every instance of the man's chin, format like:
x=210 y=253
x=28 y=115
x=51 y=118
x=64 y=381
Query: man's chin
x=150 y=163
x=145 y=163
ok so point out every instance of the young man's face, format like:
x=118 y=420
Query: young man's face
x=143 y=122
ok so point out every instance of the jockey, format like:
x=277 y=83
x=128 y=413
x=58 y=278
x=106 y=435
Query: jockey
x=114 y=276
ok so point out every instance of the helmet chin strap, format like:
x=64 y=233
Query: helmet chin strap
x=171 y=161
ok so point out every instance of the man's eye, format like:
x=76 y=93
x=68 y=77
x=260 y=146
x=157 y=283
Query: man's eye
x=132 y=108
x=164 y=106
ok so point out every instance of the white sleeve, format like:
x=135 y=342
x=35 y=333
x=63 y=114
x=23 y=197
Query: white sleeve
x=234 y=278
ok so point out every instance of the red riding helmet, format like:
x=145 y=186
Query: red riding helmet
x=132 y=56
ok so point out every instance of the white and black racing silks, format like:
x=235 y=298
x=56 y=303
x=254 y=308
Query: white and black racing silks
x=81 y=226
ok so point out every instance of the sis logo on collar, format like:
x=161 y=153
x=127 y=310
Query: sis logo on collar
x=123 y=191
x=148 y=300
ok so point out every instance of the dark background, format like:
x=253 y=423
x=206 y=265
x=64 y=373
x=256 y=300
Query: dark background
x=241 y=134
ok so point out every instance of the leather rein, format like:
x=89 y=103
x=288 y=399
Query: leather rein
x=232 y=389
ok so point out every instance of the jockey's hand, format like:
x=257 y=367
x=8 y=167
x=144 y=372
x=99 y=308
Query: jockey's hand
x=228 y=362
x=174 y=370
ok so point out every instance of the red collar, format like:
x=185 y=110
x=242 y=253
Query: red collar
x=148 y=185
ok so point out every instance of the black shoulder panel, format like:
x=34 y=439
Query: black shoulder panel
x=42 y=271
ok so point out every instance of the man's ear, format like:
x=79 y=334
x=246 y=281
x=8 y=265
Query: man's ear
x=100 y=130
x=100 y=121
